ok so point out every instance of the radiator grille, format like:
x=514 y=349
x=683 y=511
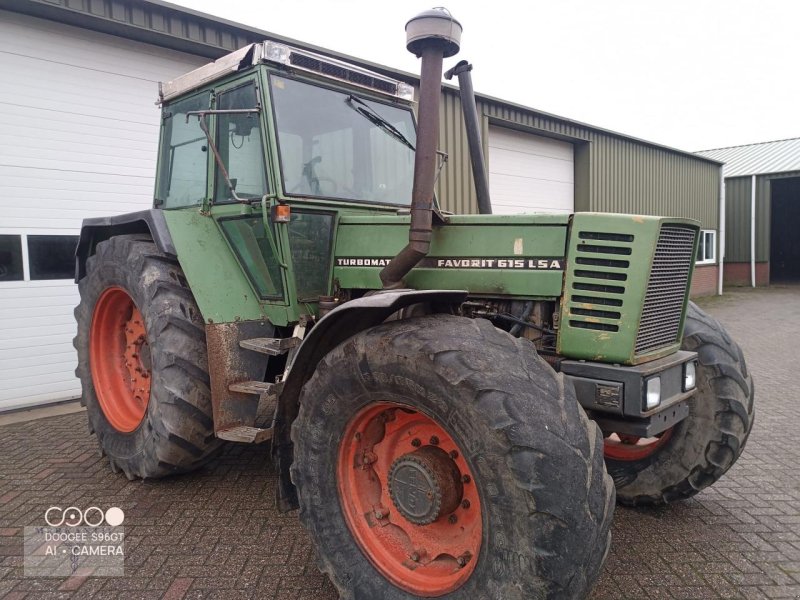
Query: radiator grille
x=331 y=69
x=666 y=289
x=600 y=275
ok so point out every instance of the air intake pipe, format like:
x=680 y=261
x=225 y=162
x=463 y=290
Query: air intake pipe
x=432 y=35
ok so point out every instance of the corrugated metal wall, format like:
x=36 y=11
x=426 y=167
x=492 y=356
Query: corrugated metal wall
x=737 y=219
x=613 y=174
x=737 y=216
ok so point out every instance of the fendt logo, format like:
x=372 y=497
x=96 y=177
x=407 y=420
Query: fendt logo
x=72 y=516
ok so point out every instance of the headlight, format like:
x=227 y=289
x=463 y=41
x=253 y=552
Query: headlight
x=277 y=52
x=652 y=396
x=689 y=375
x=405 y=91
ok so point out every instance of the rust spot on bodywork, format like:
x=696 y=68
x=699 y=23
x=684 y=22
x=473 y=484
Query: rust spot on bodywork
x=229 y=363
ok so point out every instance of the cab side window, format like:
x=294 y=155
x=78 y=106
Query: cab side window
x=239 y=141
x=183 y=177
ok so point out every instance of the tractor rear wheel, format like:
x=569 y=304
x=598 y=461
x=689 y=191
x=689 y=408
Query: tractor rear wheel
x=441 y=457
x=142 y=360
x=697 y=451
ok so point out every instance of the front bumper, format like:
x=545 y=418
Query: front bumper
x=613 y=395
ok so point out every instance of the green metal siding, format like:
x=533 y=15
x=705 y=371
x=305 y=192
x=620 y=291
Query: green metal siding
x=612 y=173
x=737 y=219
x=737 y=216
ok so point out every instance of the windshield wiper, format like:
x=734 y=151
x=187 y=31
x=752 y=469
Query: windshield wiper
x=369 y=113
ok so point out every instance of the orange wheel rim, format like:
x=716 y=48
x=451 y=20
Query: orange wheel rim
x=119 y=358
x=619 y=446
x=409 y=499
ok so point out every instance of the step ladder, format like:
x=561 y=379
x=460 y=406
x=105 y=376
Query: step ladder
x=267 y=392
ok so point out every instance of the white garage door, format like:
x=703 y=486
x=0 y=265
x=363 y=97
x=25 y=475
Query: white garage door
x=78 y=138
x=530 y=173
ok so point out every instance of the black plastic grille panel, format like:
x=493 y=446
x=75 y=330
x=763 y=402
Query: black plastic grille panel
x=666 y=289
x=333 y=70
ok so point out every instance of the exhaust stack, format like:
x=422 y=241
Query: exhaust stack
x=463 y=71
x=432 y=35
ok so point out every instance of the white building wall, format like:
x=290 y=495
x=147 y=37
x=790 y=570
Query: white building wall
x=78 y=139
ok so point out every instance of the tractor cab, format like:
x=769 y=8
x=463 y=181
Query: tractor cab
x=276 y=144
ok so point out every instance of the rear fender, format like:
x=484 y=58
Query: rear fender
x=338 y=325
x=94 y=231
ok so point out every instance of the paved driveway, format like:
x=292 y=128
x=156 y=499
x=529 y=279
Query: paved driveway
x=216 y=533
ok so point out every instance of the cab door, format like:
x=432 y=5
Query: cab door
x=241 y=186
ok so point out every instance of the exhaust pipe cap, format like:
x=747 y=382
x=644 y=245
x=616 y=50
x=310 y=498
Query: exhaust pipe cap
x=434 y=26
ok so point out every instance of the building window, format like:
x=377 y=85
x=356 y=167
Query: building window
x=52 y=256
x=11 y=258
x=707 y=250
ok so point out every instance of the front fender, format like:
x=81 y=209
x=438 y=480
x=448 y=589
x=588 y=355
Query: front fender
x=338 y=325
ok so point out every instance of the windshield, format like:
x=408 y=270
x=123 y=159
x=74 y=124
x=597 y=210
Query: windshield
x=335 y=145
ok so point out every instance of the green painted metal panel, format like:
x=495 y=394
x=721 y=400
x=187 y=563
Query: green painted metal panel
x=217 y=281
x=487 y=255
x=737 y=219
x=763 y=204
x=609 y=262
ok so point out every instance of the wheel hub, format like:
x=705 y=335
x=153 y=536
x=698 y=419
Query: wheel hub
x=410 y=499
x=119 y=358
x=425 y=485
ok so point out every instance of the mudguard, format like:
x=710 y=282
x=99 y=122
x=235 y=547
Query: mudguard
x=341 y=323
x=94 y=231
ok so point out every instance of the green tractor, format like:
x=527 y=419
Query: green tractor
x=453 y=401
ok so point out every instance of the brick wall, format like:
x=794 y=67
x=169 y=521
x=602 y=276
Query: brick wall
x=738 y=273
x=704 y=281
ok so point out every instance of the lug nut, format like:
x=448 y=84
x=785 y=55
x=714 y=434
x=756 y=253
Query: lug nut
x=452 y=519
x=434 y=440
x=463 y=559
x=414 y=556
x=466 y=479
x=416 y=442
x=358 y=435
x=454 y=454
x=465 y=503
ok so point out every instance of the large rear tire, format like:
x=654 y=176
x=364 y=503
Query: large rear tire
x=396 y=407
x=697 y=451
x=142 y=361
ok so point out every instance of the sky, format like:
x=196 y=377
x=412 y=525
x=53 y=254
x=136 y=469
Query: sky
x=691 y=74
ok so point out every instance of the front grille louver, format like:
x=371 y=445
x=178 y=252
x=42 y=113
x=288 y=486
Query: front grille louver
x=666 y=289
x=602 y=256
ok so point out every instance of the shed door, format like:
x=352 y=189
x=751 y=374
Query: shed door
x=78 y=139
x=530 y=173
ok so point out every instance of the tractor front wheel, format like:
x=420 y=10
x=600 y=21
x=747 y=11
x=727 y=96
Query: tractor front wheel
x=697 y=451
x=142 y=360
x=440 y=457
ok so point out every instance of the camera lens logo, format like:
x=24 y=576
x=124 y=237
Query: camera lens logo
x=72 y=516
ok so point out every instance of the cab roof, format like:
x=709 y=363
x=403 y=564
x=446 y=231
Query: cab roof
x=291 y=58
